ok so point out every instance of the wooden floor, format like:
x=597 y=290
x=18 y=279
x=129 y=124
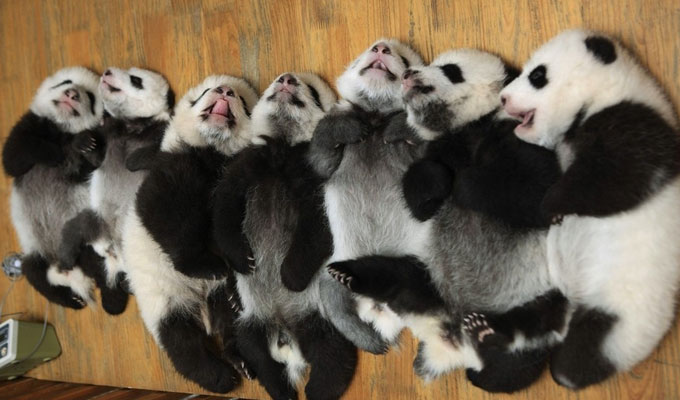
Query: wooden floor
x=187 y=40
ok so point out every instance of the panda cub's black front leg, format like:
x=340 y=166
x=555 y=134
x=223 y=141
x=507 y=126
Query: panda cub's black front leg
x=331 y=134
x=401 y=282
x=427 y=184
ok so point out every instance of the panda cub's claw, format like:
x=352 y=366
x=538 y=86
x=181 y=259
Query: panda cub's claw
x=251 y=261
x=557 y=219
x=340 y=275
x=85 y=143
x=477 y=326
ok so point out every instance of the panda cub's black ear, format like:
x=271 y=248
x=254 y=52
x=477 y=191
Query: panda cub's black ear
x=453 y=72
x=602 y=48
x=510 y=74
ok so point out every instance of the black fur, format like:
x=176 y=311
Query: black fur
x=331 y=356
x=188 y=346
x=453 y=73
x=37 y=140
x=623 y=154
x=602 y=48
x=487 y=169
x=174 y=205
x=579 y=358
x=538 y=78
x=260 y=167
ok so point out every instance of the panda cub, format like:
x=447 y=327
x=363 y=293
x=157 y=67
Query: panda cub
x=482 y=254
x=138 y=103
x=612 y=248
x=269 y=215
x=170 y=224
x=45 y=154
x=359 y=147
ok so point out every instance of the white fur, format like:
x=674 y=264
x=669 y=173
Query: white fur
x=188 y=127
x=576 y=79
x=307 y=116
x=383 y=319
x=291 y=355
x=82 y=81
x=373 y=84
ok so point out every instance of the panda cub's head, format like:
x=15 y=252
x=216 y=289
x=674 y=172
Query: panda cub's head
x=574 y=75
x=372 y=80
x=69 y=99
x=457 y=88
x=135 y=93
x=214 y=113
x=292 y=106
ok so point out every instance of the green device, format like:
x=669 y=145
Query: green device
x=23 y=346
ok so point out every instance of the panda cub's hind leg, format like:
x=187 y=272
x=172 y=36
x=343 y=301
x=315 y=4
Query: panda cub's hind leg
x=185 y=342
x=332 y=357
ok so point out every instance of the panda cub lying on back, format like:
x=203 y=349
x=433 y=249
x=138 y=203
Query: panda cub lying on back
x=486 y=242
x=269 y=214
x=167 y=235
x=44 y=153
x=613 y=248
x=138 y=103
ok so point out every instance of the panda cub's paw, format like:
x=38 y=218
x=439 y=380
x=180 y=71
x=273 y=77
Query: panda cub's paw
x=85 y=142
x=480 y=331
x=337 y=130
x=556 y=219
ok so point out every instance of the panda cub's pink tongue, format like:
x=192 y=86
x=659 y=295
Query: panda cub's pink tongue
x=221 y=107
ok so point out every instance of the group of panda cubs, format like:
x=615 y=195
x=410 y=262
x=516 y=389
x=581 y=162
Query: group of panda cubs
x=509 y=220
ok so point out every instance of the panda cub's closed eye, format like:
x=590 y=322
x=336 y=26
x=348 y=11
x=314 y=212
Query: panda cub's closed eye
x=537 y=77
x=453 y=73
x=136 y=82
x=315 y=96
x=91 y=97
x=66 y=82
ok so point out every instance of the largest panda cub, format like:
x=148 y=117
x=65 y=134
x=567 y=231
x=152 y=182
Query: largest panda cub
x=45 y=154
x=138 y=103
x=272 y=194
x=170 y=224
x=613 y=247
x=359 y=146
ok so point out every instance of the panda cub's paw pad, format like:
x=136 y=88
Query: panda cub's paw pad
x=340 y=275
x=477 y=326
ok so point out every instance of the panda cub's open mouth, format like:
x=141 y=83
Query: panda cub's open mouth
x=526 y=118
x=379 y=65
x=220 y=108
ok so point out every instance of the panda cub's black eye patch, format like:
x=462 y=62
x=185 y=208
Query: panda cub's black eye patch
x=405 y=61
x=538 y=77
x=136 y=82
x=66 y=82
x=91 y=97
x=453 y=72
x=315 y=96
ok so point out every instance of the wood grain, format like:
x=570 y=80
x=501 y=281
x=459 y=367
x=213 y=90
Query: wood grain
x=186 y=40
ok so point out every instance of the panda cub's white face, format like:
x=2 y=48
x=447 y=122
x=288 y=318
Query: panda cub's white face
x=576 y=71
x=69 y=98
x=134 y=93
x=372 y=80
x=458 y=87
x=292 y=105
x=214 y=113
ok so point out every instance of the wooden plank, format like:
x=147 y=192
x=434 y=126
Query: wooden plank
x=188 y=39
